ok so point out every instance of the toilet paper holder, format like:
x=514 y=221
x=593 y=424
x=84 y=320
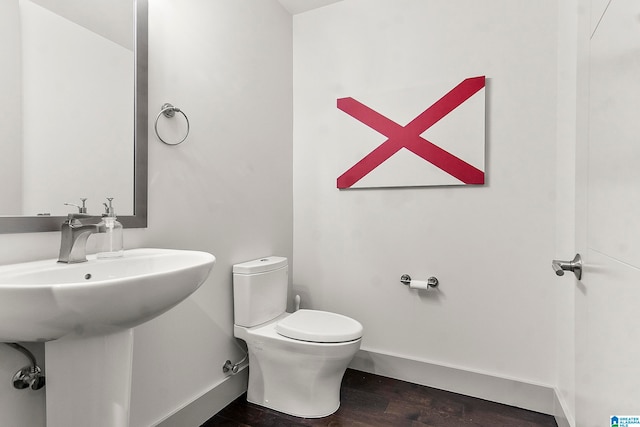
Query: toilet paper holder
x=432 y=281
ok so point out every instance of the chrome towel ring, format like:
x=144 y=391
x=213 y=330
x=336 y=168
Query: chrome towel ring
x=169 y=111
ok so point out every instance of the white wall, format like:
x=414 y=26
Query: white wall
x=490 y=246
x=226 y=190
x=10 y=108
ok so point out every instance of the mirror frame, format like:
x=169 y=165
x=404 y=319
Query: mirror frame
x=34 y=224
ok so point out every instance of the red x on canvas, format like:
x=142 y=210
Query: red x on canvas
x=442 y=145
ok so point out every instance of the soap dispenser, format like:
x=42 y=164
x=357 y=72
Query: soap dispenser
x=112 y=243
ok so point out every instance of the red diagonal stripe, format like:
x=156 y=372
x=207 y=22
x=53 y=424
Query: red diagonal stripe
x=449 y=102
x=409 y=136
x=370 y=117
x=446 y=161
x=375 y=158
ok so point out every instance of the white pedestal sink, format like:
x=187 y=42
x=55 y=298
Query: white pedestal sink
x=85 y=313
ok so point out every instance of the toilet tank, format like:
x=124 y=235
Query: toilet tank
x=259 y=290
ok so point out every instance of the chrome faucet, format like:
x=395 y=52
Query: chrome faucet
x=73 y=243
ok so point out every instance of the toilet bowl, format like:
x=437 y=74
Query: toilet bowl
x=296 y=360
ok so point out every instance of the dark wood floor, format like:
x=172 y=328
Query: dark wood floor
x=371 y=400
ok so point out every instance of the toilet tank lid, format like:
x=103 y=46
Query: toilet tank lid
x=260 y=265
x=319 y=326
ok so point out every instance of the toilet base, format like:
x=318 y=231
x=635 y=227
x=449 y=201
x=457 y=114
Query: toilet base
x=297 y=378
x=310 y=389
x=292 y=413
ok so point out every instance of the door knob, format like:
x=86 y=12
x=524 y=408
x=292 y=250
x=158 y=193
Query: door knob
x=575 y=265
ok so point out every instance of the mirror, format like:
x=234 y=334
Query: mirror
x=73 y=123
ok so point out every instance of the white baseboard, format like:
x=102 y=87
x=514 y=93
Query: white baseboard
x=195 y=413
x=534 y=397
x=563 y=417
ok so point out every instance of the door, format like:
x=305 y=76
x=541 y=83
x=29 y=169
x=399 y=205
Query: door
x=607 y=300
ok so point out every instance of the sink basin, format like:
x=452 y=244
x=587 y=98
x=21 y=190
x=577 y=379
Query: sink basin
x=46 y=300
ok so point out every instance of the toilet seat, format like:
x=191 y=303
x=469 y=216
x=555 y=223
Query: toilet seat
x=319 y=326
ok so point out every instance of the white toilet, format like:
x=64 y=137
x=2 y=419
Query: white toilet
x=296 y=360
